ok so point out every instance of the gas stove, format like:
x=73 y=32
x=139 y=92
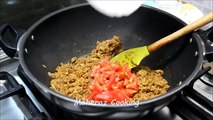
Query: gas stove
x=194 y=102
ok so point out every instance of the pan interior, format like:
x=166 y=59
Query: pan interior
x=75 y=32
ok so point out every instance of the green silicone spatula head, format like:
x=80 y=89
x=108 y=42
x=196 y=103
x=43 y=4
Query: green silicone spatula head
x=133 y=57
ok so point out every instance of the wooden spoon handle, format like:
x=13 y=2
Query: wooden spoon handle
x=183 y=31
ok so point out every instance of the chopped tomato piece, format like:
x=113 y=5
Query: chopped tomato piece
x=132 y=85
x=122 y=75
x=91 y=96
x=112 y=82
x=129 y=92
x=104 y=62
x=120 y=85
x=97 y=87
x=104 y=96
x=119 y=95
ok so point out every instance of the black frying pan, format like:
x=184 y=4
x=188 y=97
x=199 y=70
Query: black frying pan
x=60 y=35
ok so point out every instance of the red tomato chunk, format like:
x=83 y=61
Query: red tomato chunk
x=112 y=82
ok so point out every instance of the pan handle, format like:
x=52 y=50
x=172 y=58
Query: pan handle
x=207 y=37
x=9 y=40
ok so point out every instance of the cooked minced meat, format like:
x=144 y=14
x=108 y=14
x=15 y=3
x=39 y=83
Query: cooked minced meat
x=72 y=79
x=151 y=83
x=107 y=48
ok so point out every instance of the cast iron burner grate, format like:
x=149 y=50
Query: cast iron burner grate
x=189 y=105
x=13 y=88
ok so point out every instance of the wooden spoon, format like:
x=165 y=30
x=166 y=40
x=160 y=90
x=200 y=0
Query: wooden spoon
x=133 y=57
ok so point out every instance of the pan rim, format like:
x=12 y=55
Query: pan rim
x=23 y=40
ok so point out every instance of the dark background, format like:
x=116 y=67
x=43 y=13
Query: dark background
x=23 y=13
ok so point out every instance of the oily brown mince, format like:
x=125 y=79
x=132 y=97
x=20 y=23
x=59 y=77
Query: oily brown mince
x=72 y=78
